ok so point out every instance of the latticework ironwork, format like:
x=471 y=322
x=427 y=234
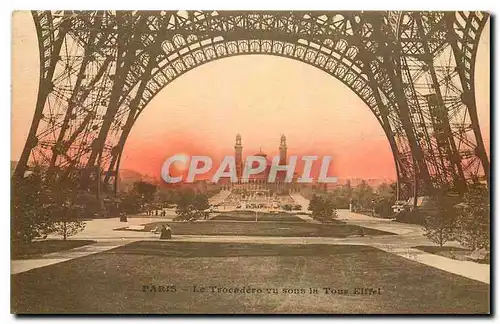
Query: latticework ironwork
x=414 y=71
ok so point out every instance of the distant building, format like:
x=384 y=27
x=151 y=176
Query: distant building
x=258 y=183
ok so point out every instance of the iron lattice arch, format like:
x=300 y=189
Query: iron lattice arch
x=413 y=70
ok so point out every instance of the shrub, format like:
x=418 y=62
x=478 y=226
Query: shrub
x=65 y=214
x=185 y=201
x=41 y=206
x=130 y=203
x=68 y=228
x=474 y=218
x=440 y=227
x=30 y=217
x=322 y=209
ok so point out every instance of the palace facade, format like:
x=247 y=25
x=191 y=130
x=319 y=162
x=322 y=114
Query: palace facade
x=258 y=184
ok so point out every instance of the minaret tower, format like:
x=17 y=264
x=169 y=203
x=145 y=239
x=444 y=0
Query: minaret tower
x=238 y=151
x=283 y=150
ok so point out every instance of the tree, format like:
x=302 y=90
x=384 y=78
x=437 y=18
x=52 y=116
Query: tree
x=384 y=199
x=30 y=216
x=165 y=195
x=322 y=209
x=474 y=218
x=130 y=202
x=341 y=196
x=184 y=203
x=69 y=223
x=313 y=203
x=64 y=210
x=440 y=227
x=145 y=190
x=200 y=204
x=41 y=206
x=363 y=195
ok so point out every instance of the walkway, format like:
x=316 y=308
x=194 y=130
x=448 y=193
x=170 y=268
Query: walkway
x=402 y=244
x=18 y=266
x=300 y=200
x=219 y=197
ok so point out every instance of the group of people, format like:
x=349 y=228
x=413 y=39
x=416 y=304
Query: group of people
x=164 y=231
x=156 y=212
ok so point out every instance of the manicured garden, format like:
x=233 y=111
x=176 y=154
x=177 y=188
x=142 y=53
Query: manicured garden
x=159 y=277
x=260 y=216
x=291 y=229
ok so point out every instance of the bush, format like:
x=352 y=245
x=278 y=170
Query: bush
x=322 y=209
x=383 y=206
x=200 y=204
x=186 y=201
x=474 y=218
x=440 y=227
x=68 y=228
x=340 y=197
x=41 y=206
x=468 y=221
x=64 y=212
x=130 y=203
x=30 y=217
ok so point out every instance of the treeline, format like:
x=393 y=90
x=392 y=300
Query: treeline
x=146 y=196
x=363 y=198
x=41 y=207
x=191 y=205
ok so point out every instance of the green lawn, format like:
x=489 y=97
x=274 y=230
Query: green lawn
x=292 y=229
x=250 y=216
x=37 y=248
x=122 y=280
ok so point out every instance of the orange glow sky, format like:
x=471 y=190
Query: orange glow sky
x=258 y=96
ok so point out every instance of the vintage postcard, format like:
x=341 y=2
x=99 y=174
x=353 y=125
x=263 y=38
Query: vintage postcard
x=250 y=162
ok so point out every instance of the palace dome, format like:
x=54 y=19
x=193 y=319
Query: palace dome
x=263 y=175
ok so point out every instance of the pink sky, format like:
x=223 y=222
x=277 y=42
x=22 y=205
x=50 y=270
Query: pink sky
x=258 y=96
